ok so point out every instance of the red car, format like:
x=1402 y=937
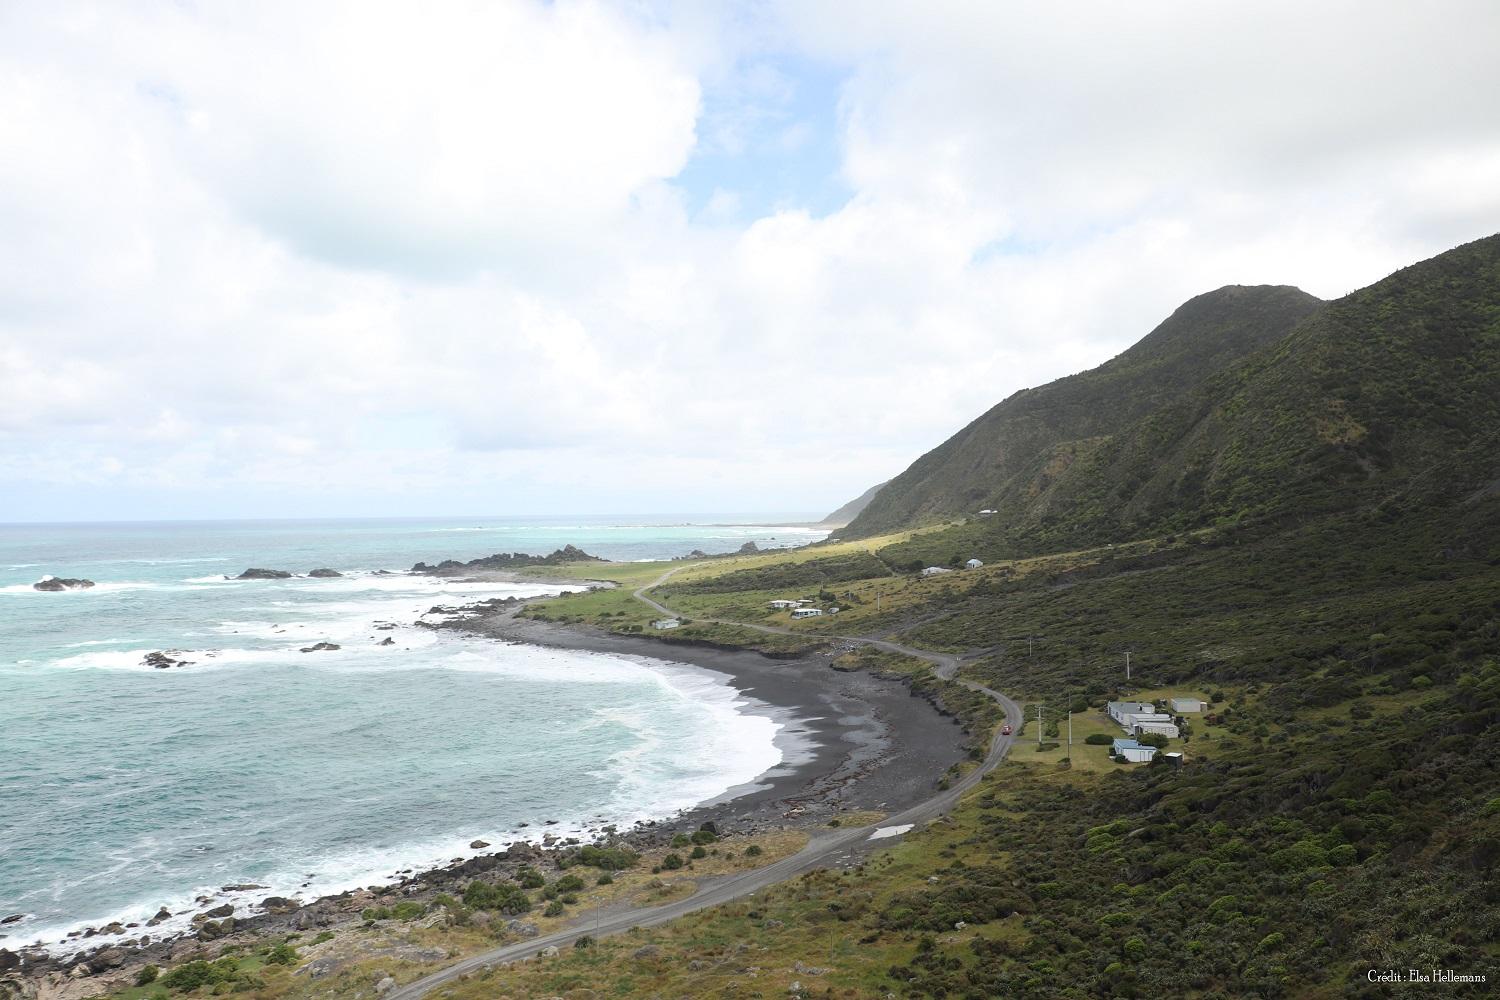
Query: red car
x=1004 y=730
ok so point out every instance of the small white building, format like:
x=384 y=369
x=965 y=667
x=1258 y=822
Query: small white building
x=782 y=605
x=973 y=564
x=1185 y=706
x=808 y=613
x=1130 y=720
x=1117 y=710
x=986 y=512
x=936 y=570
x=1132 y=751
x=1167 y=729
x=666 y=623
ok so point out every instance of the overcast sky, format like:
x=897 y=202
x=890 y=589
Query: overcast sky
x=321 y=259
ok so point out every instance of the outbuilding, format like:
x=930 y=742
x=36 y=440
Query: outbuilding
x=1132 y=751
x=666 y=623
x=1183 y=706
x=936 y=570
x=782 y=605
x=973 y=564
x=1167 y=729
x=808 y=613
x=1117 y=710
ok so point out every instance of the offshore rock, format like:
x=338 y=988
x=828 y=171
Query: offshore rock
x=319 y=646
x=264 y=574
x=54 y=584
x=161 y=661
x=324 y=574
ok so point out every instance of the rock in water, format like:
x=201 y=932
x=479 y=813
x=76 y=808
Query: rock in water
x=749 y=547
x=315 y=647
x=264 y=574
x=54 y=584
x=387 y=641
x=161 y=661
x=324 y=574
x=478 y=845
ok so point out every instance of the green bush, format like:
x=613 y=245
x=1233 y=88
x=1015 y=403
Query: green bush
x=754 y=851
x=282 y=954
x=611 y=858
x=569 y=883
x=703 y=837
x=605 y=878
x=147 y=975
x=1098 y=739
x=530 y=878
x=671 y=862
x=198 y=973
x=554 y=909
x=698 y=852
x=681 y=840
x=502 y=897
x=408 y=909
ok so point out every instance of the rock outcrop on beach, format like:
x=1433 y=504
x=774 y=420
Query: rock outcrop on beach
x=748 y=548
x=161 y=661
x=264 y=574
x=507 y=560
x=53 y=584
x=324 y=574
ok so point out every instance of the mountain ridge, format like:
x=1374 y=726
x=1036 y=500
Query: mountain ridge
x=971 y=468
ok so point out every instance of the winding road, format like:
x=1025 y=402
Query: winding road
x=824 y=848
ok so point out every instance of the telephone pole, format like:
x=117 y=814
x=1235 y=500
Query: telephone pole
x=1039 y=726
x=1070 y=730
x=1127 y=664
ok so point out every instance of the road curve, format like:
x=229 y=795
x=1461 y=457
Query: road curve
x=819 y=852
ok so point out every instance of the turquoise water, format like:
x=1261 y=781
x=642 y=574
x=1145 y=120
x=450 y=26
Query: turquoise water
x=124 y=788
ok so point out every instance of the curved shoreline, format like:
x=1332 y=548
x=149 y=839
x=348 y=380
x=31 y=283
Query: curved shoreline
x=865 y=743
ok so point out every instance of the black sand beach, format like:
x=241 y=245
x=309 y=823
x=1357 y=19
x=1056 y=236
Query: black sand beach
x=852 y=741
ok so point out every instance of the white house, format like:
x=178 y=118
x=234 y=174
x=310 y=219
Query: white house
x=782 y=605
x=1183 y=706
x=986 y=512
x=973 y=564
x=807 y=613
x=1132 y=751
x=1117 y=710
x=935 y=570
x=1167 y=729
x=666 y=623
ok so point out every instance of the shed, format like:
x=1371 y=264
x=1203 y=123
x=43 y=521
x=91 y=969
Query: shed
x=1183 y=706
x=666 y=623
x=782 y=604
x=1132 y=751
x=935 y=570
x=973 y=564
x=807 y=613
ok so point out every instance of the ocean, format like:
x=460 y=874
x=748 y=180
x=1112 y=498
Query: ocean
x=125 y=788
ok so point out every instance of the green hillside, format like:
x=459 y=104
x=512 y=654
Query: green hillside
x=1384 y=400
x=1030 y=437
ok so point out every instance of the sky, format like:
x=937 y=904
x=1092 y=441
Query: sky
x=392 y=259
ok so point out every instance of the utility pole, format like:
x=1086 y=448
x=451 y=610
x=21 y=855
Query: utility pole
x=1039 y=726
x=1127 y=664
x=1070 y=730
x=1028 y=647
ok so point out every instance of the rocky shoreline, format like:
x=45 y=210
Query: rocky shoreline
x=852 y=741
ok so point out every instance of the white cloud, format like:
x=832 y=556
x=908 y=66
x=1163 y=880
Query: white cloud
x=376 y=257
